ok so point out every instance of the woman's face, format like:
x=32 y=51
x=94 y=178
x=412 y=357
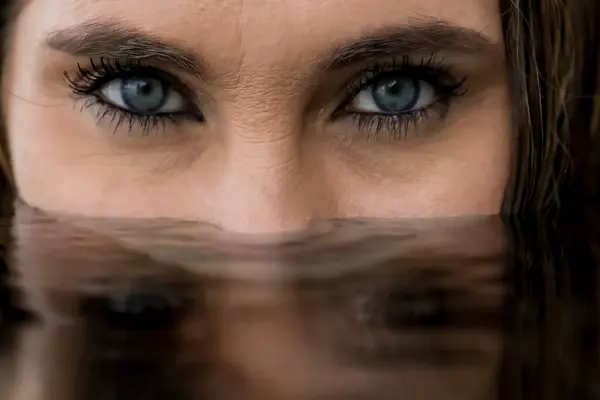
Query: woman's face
x=259 y=115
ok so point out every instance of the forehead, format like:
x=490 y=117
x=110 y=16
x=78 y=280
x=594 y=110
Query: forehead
x=253 y=27
x=245 y=11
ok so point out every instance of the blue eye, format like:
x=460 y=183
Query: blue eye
x=148 y=96
x=394 y=95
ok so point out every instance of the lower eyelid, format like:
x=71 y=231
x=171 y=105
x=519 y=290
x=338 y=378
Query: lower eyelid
x=188 y=101
x=118 y=120
x=397 y=127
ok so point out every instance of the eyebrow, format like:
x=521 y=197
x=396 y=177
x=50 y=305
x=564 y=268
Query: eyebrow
x=425 y=38
x=116 y=41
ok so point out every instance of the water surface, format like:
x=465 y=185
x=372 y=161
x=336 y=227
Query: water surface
x=468 y=308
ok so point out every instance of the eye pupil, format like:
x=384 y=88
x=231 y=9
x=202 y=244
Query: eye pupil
x=395 y=95
x=144 y=95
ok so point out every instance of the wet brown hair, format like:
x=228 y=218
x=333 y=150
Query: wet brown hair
x=553 y=53
x=553 y=49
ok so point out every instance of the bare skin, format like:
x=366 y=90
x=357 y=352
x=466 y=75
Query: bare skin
x=283 y=113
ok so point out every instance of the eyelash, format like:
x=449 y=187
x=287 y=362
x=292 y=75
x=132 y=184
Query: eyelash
x=431 y=70
x=88 y=81
x=428 y=69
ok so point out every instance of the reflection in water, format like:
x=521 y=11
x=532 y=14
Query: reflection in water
x=474 y=308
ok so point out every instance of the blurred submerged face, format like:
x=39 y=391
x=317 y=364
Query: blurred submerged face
x=417 y=309
x=259 y=115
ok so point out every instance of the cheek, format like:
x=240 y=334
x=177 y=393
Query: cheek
x=464 y=169
x=59 y=167
x=474 y=174
x=448 y=188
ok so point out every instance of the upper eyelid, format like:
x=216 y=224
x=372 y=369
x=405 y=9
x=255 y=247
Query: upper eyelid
x=113 y=69
x=436 y=71
x=356 y=83
x=433 y=65
x=375 y=73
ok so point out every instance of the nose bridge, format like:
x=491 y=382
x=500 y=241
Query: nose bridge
x=265 y=187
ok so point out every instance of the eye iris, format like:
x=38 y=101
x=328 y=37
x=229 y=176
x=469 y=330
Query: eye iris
x=144 y=95
x=395 y=95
